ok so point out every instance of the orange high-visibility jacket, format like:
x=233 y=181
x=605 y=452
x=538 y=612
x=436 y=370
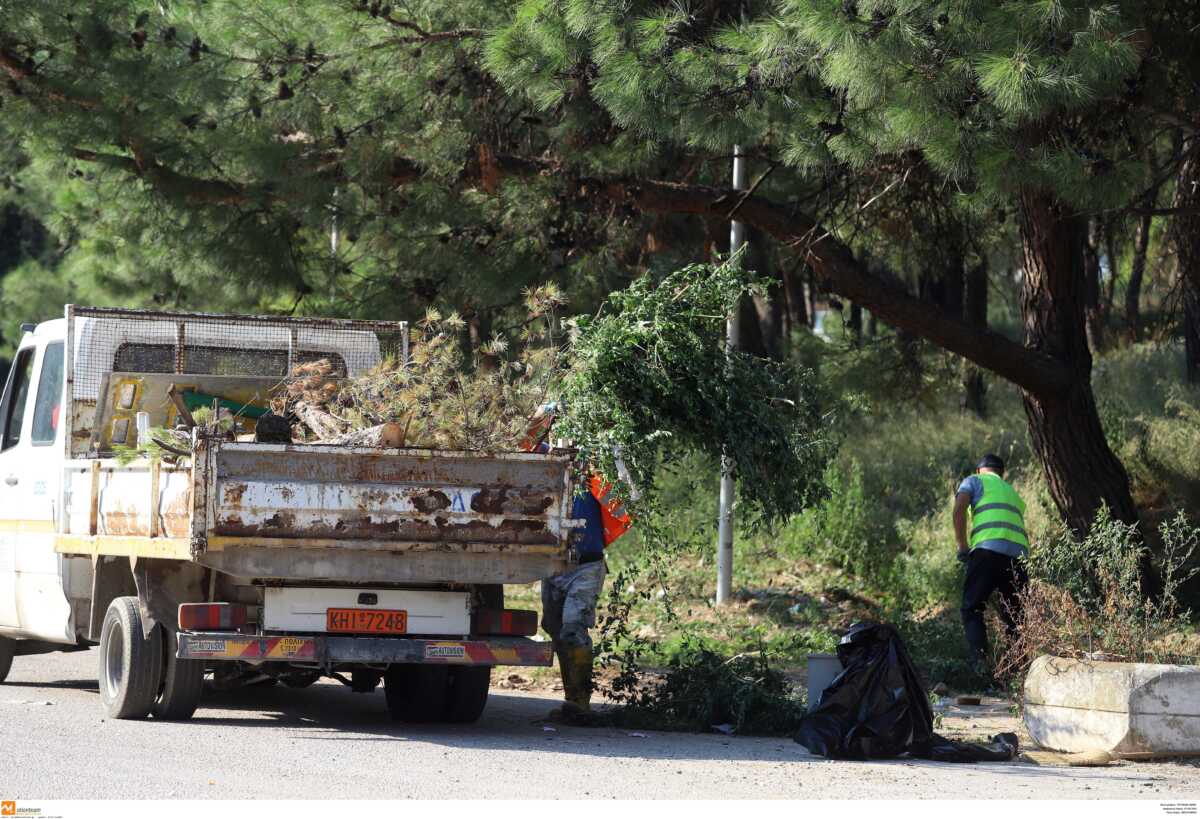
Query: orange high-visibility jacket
x=615 y=519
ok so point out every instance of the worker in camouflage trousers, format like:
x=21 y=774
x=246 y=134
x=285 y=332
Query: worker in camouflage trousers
x=994 y=551
x=569 y=599
x=569 y=610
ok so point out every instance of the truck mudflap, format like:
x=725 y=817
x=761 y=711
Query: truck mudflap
x=327 y=650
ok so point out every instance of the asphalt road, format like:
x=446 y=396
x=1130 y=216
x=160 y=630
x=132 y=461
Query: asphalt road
x=326 y=742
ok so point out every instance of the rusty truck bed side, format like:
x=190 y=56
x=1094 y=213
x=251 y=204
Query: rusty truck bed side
x=330 y=513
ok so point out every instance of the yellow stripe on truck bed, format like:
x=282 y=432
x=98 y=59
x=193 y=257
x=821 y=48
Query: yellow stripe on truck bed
x=169 y=548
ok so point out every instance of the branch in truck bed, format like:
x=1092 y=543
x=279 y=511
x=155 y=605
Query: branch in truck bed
x=384 y=436
x=322 y=424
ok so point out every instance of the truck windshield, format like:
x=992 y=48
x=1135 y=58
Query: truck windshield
x=18 y=392
x=49 y=396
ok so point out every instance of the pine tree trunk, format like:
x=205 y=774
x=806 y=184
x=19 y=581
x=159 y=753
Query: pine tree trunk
x=1094 y=309
x=855 y=325
x=1110 y=250
x=975 y=309
x=767 y=311
x=1082 y=472
x=810 y=291
x=1185 y=230
x=750 y=329
x=797 y=303
x=1137 y=271
x=1191 y=325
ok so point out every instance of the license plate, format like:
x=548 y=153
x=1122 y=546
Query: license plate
x=366 y=621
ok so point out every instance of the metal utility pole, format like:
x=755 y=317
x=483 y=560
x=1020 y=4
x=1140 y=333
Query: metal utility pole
x=737 y=238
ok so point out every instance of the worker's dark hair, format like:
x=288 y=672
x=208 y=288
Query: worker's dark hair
x=993 y=462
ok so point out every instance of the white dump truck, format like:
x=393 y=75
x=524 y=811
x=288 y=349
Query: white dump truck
x=249 y=561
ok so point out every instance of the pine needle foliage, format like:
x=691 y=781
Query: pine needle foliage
x=447 y=396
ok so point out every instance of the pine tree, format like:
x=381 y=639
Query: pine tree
x=1038 y=108
x=331 y=156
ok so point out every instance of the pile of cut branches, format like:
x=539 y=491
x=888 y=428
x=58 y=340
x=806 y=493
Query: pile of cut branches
x=445 y=396
x=650 y=380
x=700 y=690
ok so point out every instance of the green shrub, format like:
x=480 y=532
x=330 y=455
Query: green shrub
x=927 y=573
x=939 y=650
x=842 y=530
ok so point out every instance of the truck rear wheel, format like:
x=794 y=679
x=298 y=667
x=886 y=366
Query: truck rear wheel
x=130 y=664
x=182 y=682
x=8 y=647
x=468 y=692
x=416 y=693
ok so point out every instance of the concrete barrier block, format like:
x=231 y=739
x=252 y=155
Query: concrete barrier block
x=1131 y=710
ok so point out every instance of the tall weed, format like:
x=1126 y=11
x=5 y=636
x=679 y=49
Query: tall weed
x=1086 y=597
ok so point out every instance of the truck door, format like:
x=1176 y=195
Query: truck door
x=12 y=419
x=43 y=610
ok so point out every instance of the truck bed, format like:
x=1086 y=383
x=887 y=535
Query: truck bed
x=330 y=513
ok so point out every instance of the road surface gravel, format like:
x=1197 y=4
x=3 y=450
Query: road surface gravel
x=326 y=742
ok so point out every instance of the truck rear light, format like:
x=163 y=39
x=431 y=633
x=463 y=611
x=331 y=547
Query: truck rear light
x=512 y=622
x=211 y=616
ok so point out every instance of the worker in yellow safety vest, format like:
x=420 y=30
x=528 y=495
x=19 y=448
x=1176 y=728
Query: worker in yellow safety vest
x=994 y=550
x=569 y=599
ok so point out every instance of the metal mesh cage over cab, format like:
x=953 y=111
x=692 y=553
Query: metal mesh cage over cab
x=102 y=341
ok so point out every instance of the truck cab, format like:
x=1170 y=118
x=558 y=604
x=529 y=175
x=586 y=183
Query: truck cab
x=34 y=580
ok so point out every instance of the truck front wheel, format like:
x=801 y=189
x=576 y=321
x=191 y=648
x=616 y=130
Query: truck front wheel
x=130 y=664
x=416 y=693
x=468 y=692
x=8 y=647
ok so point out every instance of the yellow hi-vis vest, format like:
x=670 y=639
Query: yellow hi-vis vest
x=999 y=514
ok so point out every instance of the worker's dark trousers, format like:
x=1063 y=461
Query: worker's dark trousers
x=989 y=572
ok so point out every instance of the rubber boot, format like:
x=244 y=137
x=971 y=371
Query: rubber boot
x=566 y=670
x=575 y=664
x=579 y=694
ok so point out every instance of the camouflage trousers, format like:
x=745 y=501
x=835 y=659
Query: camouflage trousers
x=569 y=604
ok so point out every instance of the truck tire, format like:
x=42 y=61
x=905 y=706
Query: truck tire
x=8 y=647
x=416 y=693
x=468 y=692
x=130 y=664
x=182 y=682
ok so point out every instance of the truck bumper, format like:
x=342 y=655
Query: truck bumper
x=327 y=651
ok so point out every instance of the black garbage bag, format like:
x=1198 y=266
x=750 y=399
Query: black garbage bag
x=999 y=748
x=877 y=707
